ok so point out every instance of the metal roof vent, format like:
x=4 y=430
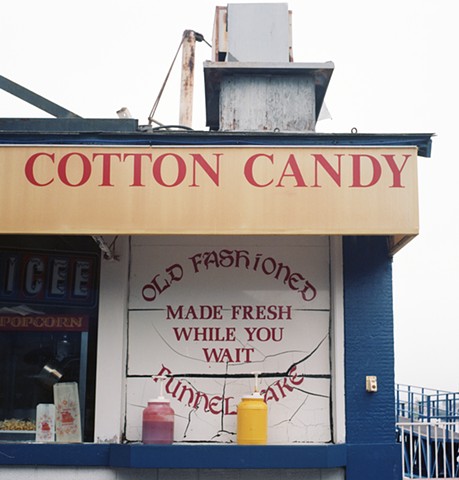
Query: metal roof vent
x=264 y=40
x=252 y=83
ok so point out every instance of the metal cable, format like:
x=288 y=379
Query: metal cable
x=158 y=98
x=199 y=38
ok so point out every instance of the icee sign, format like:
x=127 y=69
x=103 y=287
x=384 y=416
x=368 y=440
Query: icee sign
x=209 y=311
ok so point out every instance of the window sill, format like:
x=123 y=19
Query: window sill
x=174 y=456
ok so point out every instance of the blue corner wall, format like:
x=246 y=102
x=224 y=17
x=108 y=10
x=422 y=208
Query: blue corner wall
x=369 y=350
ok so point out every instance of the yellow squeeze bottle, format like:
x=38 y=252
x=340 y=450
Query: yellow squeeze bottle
x=252 y=419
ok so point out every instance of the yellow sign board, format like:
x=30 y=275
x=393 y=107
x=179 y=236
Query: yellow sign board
x=208 y=190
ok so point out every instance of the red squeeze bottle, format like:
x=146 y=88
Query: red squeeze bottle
x=158 y=421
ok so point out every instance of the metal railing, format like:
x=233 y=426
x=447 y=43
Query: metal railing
x=428 y=430
x=429 y=449
x=419 y=404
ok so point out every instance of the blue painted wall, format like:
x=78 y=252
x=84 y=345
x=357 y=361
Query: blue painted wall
x=369 y=350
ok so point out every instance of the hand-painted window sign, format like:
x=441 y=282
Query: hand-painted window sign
x=215 y=312
x=210 y=312
x=226 y=258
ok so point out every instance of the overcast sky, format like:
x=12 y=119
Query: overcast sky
x=395 y=72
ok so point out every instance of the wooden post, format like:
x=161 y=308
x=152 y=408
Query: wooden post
x=187 y=83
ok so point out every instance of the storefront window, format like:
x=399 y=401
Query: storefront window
x=48 y=327
x=210 y=312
